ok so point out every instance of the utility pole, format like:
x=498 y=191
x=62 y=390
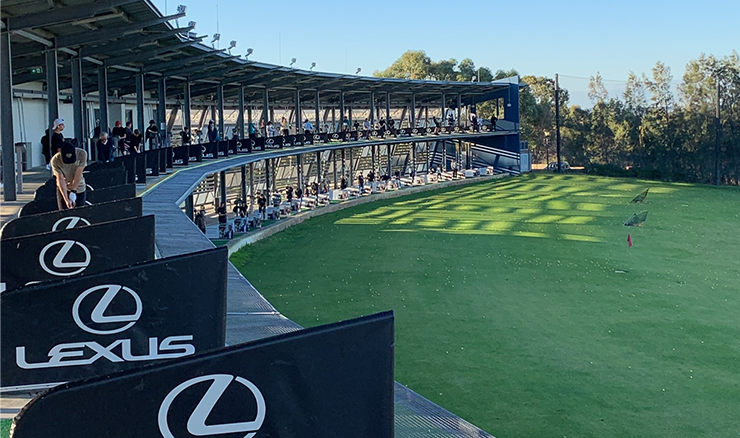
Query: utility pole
x=718 y=138
x=557 y=122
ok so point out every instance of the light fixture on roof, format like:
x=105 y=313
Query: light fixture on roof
x=313 y=64
x=232 y=44
x=249 y=52
x=192 y=24
x=473 y=79
x=182 y=9
x=292 y=61
x=216 y=37
x=358 y=71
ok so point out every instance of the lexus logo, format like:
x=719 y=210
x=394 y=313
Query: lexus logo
x=68 y=223
x=253 y=143
x=269 y=141
x=335 y=136
x=98 y=316
x=203 y=149
x=388 y=133
x=317 y=137
x=374 y=133
x=196 y=424
x=239 y=144
x=61 y=265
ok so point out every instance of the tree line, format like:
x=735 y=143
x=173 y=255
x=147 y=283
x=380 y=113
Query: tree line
x=649 y=131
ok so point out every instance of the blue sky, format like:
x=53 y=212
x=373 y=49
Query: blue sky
x=574 y=38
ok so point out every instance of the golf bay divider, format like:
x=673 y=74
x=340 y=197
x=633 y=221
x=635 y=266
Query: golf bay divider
x=75 y=218
x=332 y=381
x=93 y=197
x=60 y=254
x=98 y=324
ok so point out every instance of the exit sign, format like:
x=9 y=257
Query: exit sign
x=37 y=70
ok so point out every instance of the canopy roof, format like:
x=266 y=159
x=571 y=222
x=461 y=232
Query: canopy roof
x=132 y=36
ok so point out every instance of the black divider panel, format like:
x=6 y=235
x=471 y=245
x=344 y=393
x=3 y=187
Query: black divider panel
x=103 y=323
x=46 y=205
x=223 y=148
x=67 y=219
x=61 y=254
x=181 y=155
x=152 y=162
x=332 y=381
x=196 y=152
x=210 y=150
x=168 y=157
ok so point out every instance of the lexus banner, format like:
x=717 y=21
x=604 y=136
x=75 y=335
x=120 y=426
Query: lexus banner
x=99 y=324
x=61 y=254
x=74 y=218
x=333 y=381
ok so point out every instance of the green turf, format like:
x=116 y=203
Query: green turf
x=520 y=307
x=5 y=428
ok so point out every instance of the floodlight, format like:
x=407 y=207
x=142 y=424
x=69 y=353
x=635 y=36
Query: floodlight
x=292 y=61
x=182 y=9
x=191 y=24
x=358 y=71
x=216 y=37
x=232 y=44
x=313 y=64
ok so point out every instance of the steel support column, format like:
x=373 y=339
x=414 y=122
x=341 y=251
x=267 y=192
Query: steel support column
x=103 y=97
x=221 y=124
x=267 y=176
x=52 y=86
x=372 y=110
x=341 y=109
x=189 y=207
x=388 y=108
x=334 y=165
x=140 y=102
x=413 y=110
x=266 y=109
x=222 y=185
x=444 y=108
x=318 y=168
x=390 y=165
x=251 y=186
x=459 y=110
x=240 y=120
x=298 y=113
x=243 y=171
x=317 y=128
x=186 y=105
x=299 y=161
x=78 y=104
x=6 y=117
x=162 y=107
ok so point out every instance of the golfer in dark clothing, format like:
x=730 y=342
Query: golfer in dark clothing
x=104 y=148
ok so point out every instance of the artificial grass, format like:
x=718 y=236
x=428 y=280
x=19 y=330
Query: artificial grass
x=520 y=307
x=5 y=428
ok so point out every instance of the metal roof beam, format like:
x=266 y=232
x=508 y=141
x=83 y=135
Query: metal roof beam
x=148 y=54
x=63 y=15
x=89 y=37
x=131 y=42
x=177 y=63
x=201 y=68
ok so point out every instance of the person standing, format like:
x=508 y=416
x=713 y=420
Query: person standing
x=186 y=137
x=50 y=146
x=371 y=180
x=284 y=126
x=270 y=130
x=212 y=132
x=345 y=124
x=152 y=134
x=222 y=219
x=104 y=148
x=252 y=131
x=135 y=142
x=307 y=127
x=366 y=125
x=67 y=166
x=361 y=182
x=200 y=220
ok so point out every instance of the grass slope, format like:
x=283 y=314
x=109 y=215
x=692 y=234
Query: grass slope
x=520 y=307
